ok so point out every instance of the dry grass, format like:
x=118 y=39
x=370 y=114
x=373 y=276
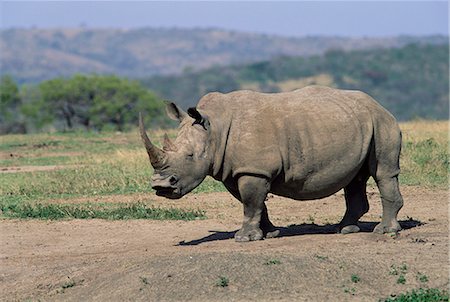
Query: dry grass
x=425 y=155
x=423 y=129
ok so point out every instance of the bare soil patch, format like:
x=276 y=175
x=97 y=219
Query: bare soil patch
x=143 y=260
x=11 y=155
x=17 y=169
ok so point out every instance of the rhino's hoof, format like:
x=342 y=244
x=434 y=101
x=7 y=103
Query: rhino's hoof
x=348 y=229
x=383 y=228
x=272 y=234
x=245 y=235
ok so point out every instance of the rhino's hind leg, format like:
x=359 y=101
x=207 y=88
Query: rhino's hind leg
x=392 y=202
x=253 y=191
x=356 y=202
x=384 y=168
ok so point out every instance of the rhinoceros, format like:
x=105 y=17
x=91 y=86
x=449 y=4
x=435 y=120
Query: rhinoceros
x=305 y=144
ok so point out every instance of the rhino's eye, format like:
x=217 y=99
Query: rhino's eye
x=190 y=156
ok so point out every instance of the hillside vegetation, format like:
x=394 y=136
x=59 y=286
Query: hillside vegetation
x=411 y=81
x=34 y=55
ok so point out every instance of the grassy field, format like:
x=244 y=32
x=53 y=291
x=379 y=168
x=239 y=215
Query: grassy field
x=106 y=175
x=425 y=154
x=91 y=164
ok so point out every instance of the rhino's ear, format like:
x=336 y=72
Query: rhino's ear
x=175 y=112
x=199 y=118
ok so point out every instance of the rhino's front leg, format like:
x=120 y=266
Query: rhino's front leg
x=253 y=191
x=269 y=230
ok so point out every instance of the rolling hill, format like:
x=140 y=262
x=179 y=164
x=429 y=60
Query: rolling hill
x=33 y=55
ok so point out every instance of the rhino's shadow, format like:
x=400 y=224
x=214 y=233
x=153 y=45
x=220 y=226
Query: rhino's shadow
x=299 y=229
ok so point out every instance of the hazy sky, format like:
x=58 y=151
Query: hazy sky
x=357 y=18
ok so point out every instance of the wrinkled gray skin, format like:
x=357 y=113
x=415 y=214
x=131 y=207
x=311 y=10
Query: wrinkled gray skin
x=305 y=144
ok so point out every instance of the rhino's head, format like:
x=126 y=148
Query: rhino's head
x=181 y=165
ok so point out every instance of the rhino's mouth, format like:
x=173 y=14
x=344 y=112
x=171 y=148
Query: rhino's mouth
x=166 y=186
x=168 y=192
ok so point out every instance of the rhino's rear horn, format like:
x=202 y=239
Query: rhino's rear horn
x=168 y=145
x=157 y=156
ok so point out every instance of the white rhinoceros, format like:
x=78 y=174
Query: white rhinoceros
x=304 y=144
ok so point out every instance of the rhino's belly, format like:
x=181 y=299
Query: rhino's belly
x=292 y=191
x=313 y=186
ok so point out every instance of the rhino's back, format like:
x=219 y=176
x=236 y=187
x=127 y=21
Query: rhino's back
x=313 y=99
x=310 y=142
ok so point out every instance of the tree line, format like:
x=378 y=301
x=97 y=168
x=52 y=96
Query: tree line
x=90 y=102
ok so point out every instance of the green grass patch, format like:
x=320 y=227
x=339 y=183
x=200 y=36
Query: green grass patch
x=425 y=162
x=320 y=257
x=350 y=290
x=401 y=279
x=422 y=277
x=399 y=271
x=114 y=211
x=272 y=262
x=355 y=278
x=421 y=295
x=222 y=281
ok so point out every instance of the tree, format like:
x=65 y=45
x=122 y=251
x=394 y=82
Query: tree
x=36 y=112
x=54 y=93
x=117 y=101
x=99 y=101
x=10 y=103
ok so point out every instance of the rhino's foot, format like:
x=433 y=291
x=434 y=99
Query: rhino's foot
x=248 y=234
x=272 y=234
x=270 y=231
x=382 y=228
x=348 y=229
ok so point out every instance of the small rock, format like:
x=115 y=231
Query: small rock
x=418 y=240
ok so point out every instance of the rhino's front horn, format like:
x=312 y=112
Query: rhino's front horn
x=156 y=155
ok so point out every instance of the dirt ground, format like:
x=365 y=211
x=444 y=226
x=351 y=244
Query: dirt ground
x=17 y=169
x=144 y=260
